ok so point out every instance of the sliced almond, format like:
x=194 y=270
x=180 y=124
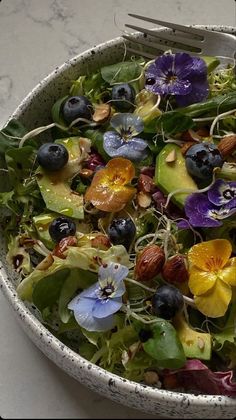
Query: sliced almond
x=171 y=157
x=144 y=200
x=102 y=113
x=200 y=343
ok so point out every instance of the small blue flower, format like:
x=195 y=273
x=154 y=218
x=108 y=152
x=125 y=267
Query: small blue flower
x=122 y=142
x=94 y=307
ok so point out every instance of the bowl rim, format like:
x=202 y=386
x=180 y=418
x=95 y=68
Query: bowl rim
x=41 y=333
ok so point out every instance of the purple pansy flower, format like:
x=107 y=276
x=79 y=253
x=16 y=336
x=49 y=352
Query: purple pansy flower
x=223 y=193
x=122 y=142
x=94 y=307
x=208 y=210
x=180 y=75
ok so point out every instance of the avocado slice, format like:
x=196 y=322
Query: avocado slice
x=55 y=187
x=196 y=345
x=171 y=176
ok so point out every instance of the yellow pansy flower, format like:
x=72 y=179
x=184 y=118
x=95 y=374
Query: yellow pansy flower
x=212 y=273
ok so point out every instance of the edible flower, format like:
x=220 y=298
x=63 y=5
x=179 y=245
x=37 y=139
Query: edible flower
x=212 y=273
x=180 y=75
x=94 y=307
x=122 y=141
x=209 y=210
x=109 y=190
x=223 y=193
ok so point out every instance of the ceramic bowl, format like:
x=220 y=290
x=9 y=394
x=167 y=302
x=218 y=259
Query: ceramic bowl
x=35 y=111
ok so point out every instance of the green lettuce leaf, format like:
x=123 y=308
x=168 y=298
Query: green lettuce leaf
x=164 y=346
x=173 y=122
x=76 y=279
x=85 y=258
x=227 y=333
x=121 y=72
x=46 y=292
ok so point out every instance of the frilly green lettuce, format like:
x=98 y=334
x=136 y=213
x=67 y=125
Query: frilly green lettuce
x=85 y=258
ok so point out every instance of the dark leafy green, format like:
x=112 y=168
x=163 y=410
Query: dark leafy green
x=96 y=137
x=47 y=291
x=125 y=71
x=174 y=122
x=215 y=105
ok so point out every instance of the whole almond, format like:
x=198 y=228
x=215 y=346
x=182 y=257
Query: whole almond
x=174 y=270
x=62 y=246
x=187 y=146
x=227 y=145
x=101 y=242
x=149 y=263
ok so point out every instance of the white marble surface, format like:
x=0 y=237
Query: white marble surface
x=35 y=37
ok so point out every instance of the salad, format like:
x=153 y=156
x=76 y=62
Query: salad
x=121 y=225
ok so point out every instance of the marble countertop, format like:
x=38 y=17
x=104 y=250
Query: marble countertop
x=35 y=37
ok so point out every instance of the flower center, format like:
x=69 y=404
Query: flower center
x=229 y=194
x=213 y=264
x=117 y=179
x=106 y=292
x=219 y=214
x=171 y=78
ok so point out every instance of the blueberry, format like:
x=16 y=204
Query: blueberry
x=122 y=232
x=52 y=156
x=61 y=227
x=201 y=159
x=167 y=301
x=77 y=107
x=123 y=96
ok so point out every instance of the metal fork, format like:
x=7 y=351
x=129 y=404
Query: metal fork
x=198 y=41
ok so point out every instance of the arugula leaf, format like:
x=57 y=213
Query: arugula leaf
x=92 y=86
x=13 y=129
x=20 y=163
x=174 y=122
x=47 y=291
x=164 y=345
x=122 y=72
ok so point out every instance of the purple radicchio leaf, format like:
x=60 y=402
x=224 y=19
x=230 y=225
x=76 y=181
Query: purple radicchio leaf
x=198 y=377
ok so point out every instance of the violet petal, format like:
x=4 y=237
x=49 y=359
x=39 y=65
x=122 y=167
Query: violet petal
x=222 y=192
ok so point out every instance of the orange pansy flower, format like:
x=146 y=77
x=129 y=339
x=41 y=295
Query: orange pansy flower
x=109 y=190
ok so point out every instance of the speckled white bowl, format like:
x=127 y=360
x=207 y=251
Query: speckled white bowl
x=35 y=111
